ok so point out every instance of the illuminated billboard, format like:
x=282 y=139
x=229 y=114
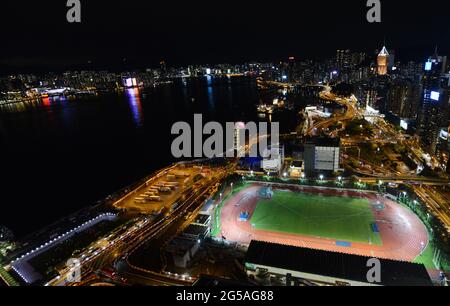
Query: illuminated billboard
x=404 y=125
x=130 y=82
x=428 y=66
x=435 y=95
x=444 y=135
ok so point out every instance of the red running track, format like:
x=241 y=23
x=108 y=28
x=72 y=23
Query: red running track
x=403 y=235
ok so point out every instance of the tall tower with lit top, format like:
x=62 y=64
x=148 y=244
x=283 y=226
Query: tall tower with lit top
x=383 y=61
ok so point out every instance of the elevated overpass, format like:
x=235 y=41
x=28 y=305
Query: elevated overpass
x=350 y=113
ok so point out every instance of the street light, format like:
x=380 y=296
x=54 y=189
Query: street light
x=321 y=177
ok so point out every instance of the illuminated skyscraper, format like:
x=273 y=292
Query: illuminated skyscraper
x=383 y=61
x=343 y=58
x=403 y=98
x=431 y=115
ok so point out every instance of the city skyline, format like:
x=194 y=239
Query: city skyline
x=137 y=151
x=125 y=65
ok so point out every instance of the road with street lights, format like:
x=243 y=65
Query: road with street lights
x=431 y=190
x=350 y=113
x=120 y=245
x=437 y=202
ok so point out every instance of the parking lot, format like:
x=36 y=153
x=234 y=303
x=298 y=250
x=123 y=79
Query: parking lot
x=161 y=192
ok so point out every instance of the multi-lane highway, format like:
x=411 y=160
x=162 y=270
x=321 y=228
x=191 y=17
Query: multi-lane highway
x=437 y=201
x=177 y=221
x=350 y=113
x=124 y=241
x=430 y=190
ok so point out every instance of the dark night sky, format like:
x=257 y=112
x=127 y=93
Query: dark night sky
x=35 y=34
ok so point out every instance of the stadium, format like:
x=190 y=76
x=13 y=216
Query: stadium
x=346 y=221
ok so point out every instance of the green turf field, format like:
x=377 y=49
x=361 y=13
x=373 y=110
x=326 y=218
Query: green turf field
x=340 y=218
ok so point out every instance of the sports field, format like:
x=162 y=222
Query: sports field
x=346 y=221
x=340 y=218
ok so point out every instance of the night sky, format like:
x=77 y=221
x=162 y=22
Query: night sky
x=138 y=34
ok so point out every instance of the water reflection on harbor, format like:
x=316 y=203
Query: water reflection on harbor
x=103 y=139
x=134 y=99
x=211 y=102
x=35 y=103
x=46 y=101
x=20 y=106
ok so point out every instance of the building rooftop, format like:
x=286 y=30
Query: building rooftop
x=196 y=230
x=180 y=245
x=384 y=52
x=202 y=219
x=208 y=205
x=337 y=265
x=324 y=142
